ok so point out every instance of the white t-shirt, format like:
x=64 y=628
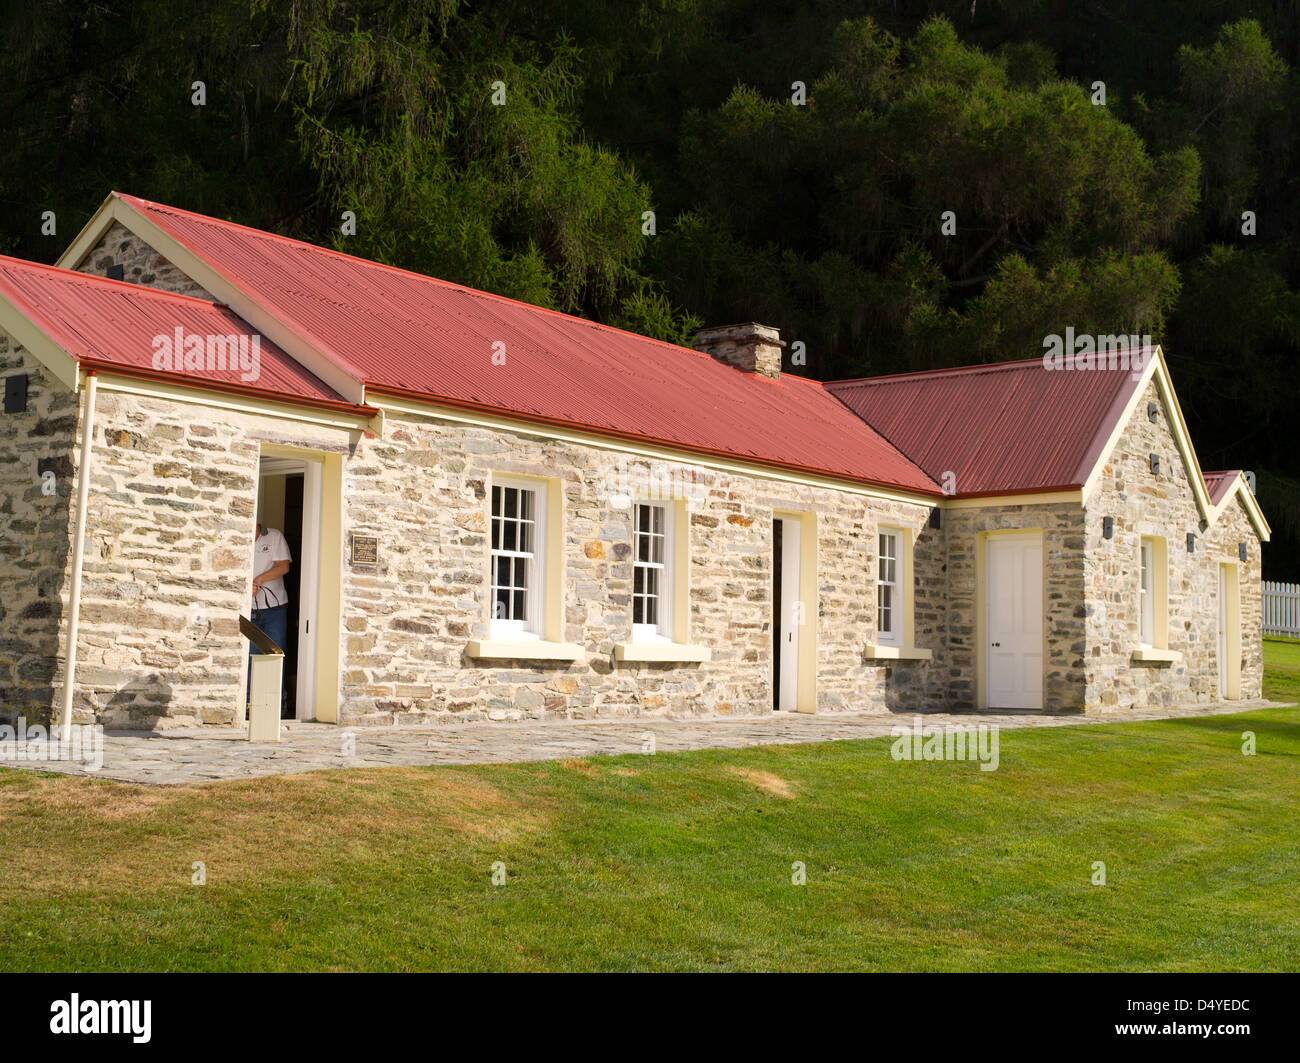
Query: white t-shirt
x=270 y=548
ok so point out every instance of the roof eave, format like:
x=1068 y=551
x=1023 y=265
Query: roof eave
x=200 y=384
x=924 y=495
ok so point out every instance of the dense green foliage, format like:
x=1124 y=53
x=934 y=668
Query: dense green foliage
x=822 y=217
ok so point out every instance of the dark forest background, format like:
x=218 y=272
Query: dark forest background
x=821 y=219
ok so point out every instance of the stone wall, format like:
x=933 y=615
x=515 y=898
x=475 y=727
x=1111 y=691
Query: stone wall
x=1162 y=504
x=140 y=263
x=167 y=569
x=35 y=534
x=1064 y=627
x=167 y=573
x=423 y=491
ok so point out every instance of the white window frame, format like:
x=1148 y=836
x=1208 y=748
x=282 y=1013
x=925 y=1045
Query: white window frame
x=662 y=629
x=893 y=635
x=1147 y=593
x=531 y=625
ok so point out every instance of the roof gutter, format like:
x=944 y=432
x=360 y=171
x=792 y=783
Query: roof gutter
x=78 y=558
x=199 y=384
x=1009 y=492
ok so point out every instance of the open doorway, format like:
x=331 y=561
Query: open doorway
x=776 y=614
x=786 y=613
x=288 y=499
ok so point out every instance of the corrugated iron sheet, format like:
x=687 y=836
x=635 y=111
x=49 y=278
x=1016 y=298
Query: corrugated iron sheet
x=1005 y=428
x=103 y=323
x=408 y=333
x=1217 y=484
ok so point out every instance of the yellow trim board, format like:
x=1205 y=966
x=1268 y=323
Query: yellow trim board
x=525 y=650
x=355 y=424
x=881 y=652
x=1036 y=498
x=681 y=572
x=1151 y=655
x=61 y=365
x=810 y=593
x=677 y=652
x=329 y=620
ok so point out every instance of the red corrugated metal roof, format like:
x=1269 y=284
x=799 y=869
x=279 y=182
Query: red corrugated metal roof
x=405 y=333
x=1217 y=484
x=1006 y=428
x=111 y=325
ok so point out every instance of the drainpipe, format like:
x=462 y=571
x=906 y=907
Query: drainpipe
x=78 y=555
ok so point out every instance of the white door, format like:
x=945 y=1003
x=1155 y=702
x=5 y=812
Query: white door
x=791 y=616
x=1014 y=621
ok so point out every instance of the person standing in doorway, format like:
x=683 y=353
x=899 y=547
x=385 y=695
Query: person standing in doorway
x=271 y=561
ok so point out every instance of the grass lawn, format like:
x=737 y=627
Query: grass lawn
x=1282 y=670
x=683 y=861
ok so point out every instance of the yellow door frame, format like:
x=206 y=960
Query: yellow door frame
x=329 y=598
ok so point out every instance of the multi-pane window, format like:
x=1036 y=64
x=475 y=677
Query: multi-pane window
x=889 y=602
x=1147 y=633
x=514 y=558
x=650 y=586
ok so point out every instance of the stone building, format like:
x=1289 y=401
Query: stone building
x=498 y=511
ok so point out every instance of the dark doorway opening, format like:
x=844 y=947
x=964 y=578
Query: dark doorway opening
x=776 y=614
x=292 y=531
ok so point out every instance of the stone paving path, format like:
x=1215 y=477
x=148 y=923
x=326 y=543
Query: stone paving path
x=192 y=756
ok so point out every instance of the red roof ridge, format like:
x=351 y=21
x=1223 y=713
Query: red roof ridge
x=802 y=380
x=95 y=280
x=958 y=370
x=952 y=370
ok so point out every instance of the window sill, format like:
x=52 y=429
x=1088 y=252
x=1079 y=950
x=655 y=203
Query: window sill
x=880 y=652
x=1150 y=655
x=525 y=650
x=678 y=652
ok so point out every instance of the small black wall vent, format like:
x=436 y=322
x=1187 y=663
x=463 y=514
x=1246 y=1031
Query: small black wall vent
x=16 y=393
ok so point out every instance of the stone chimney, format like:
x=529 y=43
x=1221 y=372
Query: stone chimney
x=750 y=348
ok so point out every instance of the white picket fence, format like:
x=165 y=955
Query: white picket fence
x=1282 y=609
